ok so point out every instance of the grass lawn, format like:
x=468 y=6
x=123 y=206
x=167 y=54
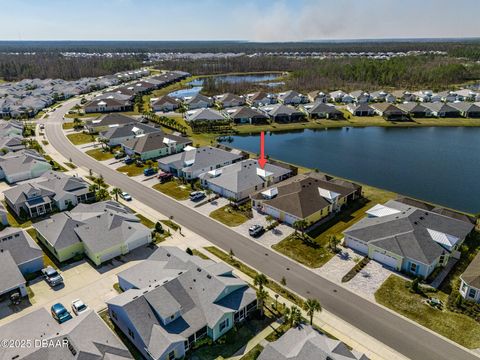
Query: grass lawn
x=147 y=222
x=253 y=354
x=67 y=125
x=132 y=169
x=200 y=254
x=311 y=253
x=228 y=216
x=56 y=166
x=71 y=165
x=80 y=138
x=171 y=224
x=13 y=220
x=174 y=190
x=100 y=154
x=232 y=341
x=458 y=327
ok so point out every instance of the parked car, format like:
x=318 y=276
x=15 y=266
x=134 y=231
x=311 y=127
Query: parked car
x=164 y=177
x=128 y=161
x=119 y=155
x=126 y=196
x=197 y=195
x=149 y=172
x=78 y=307
x=256 y=230
x=52 y=277
x=42 y=126
x=60 y=313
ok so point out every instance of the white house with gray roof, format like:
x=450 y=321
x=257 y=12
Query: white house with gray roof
x=207 y=115
x=116 y=134
x=192 y=162
x=19 y=256
x=53 y=191
x=22 y=165
x=101 y=231
x=83 y=337
x=306 y=343
x=172 y=300
x=239 y=180
x=107 y=121
x=407 y=238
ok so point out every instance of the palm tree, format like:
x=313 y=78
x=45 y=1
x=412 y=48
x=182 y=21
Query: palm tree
x=270 y=219
x=292 y=316
x=334 y=241
x=311 y=306
x=262 y=295
x=208 y=192
x=115 y=192
x=300 y=225
x=101 y=194
x=260 y=280
x=93 y=187
x=104 y=142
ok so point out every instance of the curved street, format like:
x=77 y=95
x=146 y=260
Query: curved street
x=400 y=334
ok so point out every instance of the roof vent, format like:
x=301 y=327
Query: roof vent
x=209 y=276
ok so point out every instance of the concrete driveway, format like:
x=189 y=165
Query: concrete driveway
x=367 y=281
x=339 y=265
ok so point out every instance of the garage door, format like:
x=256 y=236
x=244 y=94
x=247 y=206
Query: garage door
x=385 y=259
x=357 y=245
x=114 y=253
x=289 y=219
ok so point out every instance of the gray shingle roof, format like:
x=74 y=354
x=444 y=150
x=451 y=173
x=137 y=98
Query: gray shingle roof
x=20 y=245
x=20 y=161
x=153 y=141
x=10 y=276
x=406 y=233
x=471 y=275
x=204 y=115
x=306 y=343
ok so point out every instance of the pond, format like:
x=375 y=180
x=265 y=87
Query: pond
x=437 y=164
x=261 y=79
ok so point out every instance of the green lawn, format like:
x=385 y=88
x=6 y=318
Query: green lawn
x=147 y=222
x=81 y=138
x=172 y=225
x=13 y=220
x=71 y=165
x=174 y=189
x=253 y=354
x=100 y=154
x=200 y=254
x=67 y=125
x=460 y=328
x=132 y=169
x=56 y=166
x=228 y=216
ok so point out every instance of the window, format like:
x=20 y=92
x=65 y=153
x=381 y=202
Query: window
x=464 y=287
x=130 y=332
x=223 y=325
x=114 y=315
x=472 y=293
x=171 y=355
x=413 y=267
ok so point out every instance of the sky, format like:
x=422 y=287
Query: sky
x=252 y=20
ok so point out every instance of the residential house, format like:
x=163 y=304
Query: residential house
x=101 y=231
x=229 y=100
x=11 y=128
x=247 y=115
x=107 y=121
x=403 y=95
x=281 y=113
x=19 y=256
x=310 y=197
x=423 y=96
x=116 y=135
x=261 y=99
x=443 y=110
x=239 y=180
x=447 y=96
x=199 y=101
x=390 y=112
x=340 y=96
x=382 y=96
x=470 y=281
x=3 y=216
x=108 y=104
x=320 y=110
x=164 y=104
x=360 y=109
x=306 y=343
x=415 y=110
x=192 y=162
x=466 y=95
x=407 y=238
x=83 y=337
x=203 y=115
x=317 y=96
x=22 y=165
x=172 y=300
x=154 y=145
x=360 y=96
x=11 y=143
x=292 y=97
x=467 y=109
x=53 y=191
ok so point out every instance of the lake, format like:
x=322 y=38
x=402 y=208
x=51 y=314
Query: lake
x=437 y=164
x=196 y=85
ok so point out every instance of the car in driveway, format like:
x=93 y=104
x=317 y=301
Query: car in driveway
x=197 y=195
x=149 y=172
x=119 y=155
x=256 y=230
x=126 y=196
x=163 y=177
x=52 y=277
x=79 y=307
x=60 y=313
x=128 y=160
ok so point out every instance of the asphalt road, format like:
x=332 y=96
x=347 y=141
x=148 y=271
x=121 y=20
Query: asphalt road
x=405 y=337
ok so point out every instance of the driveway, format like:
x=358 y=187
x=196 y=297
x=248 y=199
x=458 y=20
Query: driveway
x=367 y=281
x=339 y=265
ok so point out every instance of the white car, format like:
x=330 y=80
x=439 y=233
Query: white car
x=125 y=196
x=79 y=307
